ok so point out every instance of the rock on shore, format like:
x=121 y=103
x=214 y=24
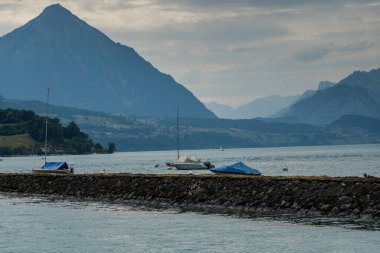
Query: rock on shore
x=343 y=196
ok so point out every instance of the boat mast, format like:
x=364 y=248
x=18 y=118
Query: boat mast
x=46 y=121
x=177 y=132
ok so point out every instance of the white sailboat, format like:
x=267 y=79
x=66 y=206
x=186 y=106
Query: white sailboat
x=187 y=162
x=51 y=167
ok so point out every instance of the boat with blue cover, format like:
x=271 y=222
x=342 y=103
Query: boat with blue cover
x=55 y=167
x=52 y=167
x=237 y=168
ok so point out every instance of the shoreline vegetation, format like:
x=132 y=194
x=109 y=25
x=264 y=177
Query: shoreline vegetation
x=326 y=196
x=21 y=133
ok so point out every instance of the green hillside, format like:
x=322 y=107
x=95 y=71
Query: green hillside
x=22 y=132
x=17 y=141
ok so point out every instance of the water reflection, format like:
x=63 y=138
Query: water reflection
x=356 y=223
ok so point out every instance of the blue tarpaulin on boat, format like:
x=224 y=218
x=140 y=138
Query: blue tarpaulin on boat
x=237 y=168
x=55 y=166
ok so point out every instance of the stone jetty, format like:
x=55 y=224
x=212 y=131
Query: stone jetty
x=339 y=196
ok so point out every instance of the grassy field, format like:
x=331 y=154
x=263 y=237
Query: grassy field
x=19 y=140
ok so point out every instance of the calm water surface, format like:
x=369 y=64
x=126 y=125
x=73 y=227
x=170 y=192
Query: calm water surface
x=42 y=224
x=45 y=224
x=353 y=160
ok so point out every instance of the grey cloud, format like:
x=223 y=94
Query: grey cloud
x=314 y=53
x=216 y=4
x=114 y=5
x=159 y=53
x=318 y=52
x=192 y=76
x=217 y=31
x=11 y=5
x=356 y=46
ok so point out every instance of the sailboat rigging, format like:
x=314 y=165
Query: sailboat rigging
x=51 y=167
x=187 y=162
x=46 y=122
x=177 y=132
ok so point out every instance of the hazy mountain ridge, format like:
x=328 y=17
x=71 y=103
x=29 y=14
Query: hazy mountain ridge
x=355 y=94
x=270 y=106
x=220 y=110
x=261 y=107
x=358 y=121
x=86 y=69
x=325 y=85
x=369 y=81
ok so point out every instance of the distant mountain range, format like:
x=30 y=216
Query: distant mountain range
x=158 y=133
x=359 y=94
x=86 y=69
x=263 y=107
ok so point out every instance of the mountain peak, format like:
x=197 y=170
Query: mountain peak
x=56 y=23
x=59 y=50
x=55 y=9
x=56 y=13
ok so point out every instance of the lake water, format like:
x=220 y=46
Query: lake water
x=43 y=224
x=50 y=224
x=352 y=160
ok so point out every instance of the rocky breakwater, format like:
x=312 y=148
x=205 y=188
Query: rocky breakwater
x=322 y=195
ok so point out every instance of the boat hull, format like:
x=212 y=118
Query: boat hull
x=66 y=171
x=232 y=173
x=189 y=166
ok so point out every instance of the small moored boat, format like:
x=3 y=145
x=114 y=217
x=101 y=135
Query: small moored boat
x=190 y=163
x=52 y=167
x=55 y=167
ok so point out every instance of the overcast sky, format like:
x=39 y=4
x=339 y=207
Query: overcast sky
x=232 y=52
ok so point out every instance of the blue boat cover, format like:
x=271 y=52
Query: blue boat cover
x=55 y=166
x=237 y=168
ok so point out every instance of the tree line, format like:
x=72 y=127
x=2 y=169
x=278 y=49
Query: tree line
x=61 y=139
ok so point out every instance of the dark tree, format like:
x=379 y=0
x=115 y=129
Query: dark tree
x=72 y=131
x=111 y=147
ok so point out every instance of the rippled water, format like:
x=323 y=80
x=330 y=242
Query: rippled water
x=43 y=224
x=353 y=160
